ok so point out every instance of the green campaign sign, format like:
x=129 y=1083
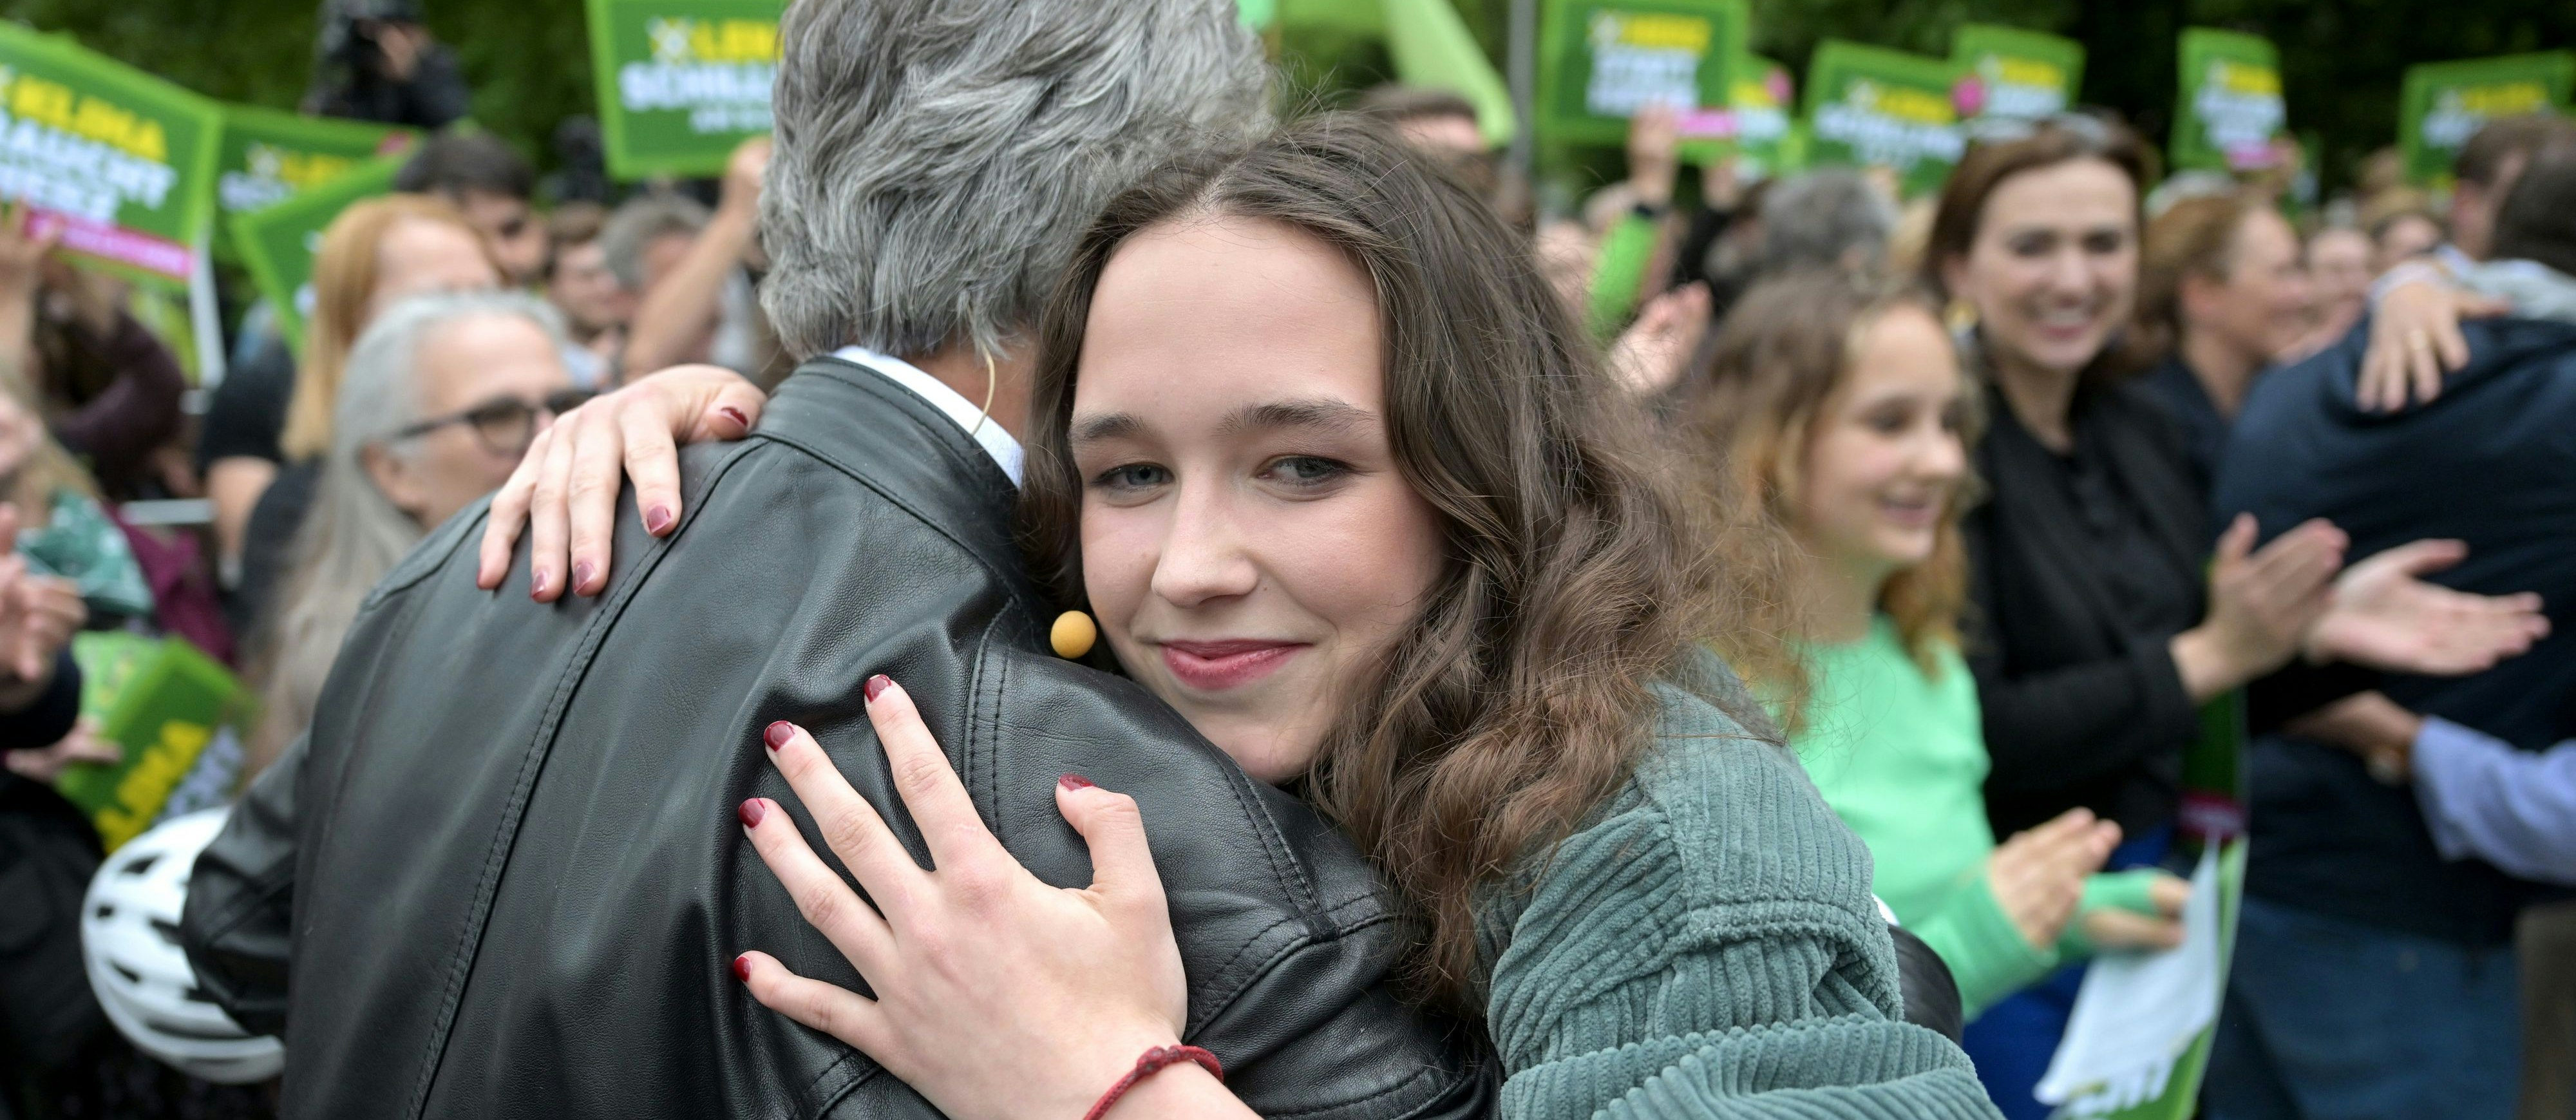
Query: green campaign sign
x=1602 y=60
x=1883 y=108
x=2009 y=72
x=2445 y=103
x=1760 y=102
x=169 y=706
x=268 y=156
x=2228 y=114
x=121 y=162
x=277 y=242
x=681 y=82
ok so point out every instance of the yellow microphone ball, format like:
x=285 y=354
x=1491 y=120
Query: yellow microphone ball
x=1073 y=634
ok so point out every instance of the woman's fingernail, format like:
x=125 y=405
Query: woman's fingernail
x=875 y=687
x=742 y=968
x=657 y=519
x=751 y=811
x=536 y=582
x=778 y=734
x=735 y=415
x=1074 y=782
x=581 y=574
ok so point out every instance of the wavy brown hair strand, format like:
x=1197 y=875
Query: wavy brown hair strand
x=1577 y=574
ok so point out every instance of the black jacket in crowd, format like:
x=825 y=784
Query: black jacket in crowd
x=2492 y=462
x=504 y=869
x=2082 y=569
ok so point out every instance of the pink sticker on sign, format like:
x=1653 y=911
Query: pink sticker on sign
x=108 y=242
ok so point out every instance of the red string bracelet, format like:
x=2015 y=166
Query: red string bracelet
x=1155 y=1059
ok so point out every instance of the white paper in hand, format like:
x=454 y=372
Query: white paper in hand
x=2138 y=1012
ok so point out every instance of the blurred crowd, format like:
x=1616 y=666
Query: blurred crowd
x=2061 y=446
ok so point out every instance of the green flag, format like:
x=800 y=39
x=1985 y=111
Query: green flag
x=1432 y=48
x=119 y=161
x=1602 y=60
x=1882 y=108
x=681 y=82
x=2445 y=103
x=2228 y=112
x=277 y=242
x=2009 y=72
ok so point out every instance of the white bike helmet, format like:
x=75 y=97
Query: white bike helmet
x=130 y=939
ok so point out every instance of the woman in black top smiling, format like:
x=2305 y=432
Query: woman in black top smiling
x=2094 y=635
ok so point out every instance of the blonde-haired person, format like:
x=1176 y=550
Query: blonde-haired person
x=2222 y=291
x=1835 y=407
x=273 y=416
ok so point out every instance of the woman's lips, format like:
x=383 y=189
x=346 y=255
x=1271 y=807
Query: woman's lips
x=1213 y=666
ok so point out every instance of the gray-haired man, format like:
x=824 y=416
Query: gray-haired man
x=501 y=870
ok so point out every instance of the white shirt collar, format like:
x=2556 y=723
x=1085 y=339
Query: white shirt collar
x=966 y=414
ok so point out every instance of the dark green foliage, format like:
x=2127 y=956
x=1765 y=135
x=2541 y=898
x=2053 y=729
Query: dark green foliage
x=528 y=60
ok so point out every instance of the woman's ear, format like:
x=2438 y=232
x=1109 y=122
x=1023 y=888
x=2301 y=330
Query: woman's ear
x=394 y=477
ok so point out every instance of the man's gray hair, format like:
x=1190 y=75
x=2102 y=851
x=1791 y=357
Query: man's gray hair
x=639 y=222
x=937 y=159
x=353 y=533
x=1832 y=218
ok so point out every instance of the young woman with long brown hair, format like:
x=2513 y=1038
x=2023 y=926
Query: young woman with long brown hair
x=1343 y=486
x=1343 y=483
x=1836 y=409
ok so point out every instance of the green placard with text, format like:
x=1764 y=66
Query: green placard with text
x=1762 y=101
x=1602 y=60
x=1881 y=108
x=2228 y=111
x=2445 y=103
x=2009 y=72
x=164 y=704
x=277 y=242
x=120 y=162
x=269 y=156
x=681 y=82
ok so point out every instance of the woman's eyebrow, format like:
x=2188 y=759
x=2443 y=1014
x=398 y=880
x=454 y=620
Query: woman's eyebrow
x=1106 y=426
x=1330 y=415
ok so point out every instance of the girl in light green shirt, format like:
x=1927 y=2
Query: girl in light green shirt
x=1845 y=416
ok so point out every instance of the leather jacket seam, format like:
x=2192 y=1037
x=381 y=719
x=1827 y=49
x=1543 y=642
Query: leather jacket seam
x=611 y=609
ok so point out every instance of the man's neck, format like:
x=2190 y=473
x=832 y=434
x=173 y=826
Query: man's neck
x=1001 y=384
x=2223 y=369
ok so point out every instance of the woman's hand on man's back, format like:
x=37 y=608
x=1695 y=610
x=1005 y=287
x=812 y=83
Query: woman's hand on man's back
x=565 y=491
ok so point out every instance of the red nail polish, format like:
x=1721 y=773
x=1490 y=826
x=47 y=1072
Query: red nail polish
x=742 y=968
x=778 y=734
x=581 y=574
x=751 y=811
x=735 y=415
x=876 y=686
x=1073 y=782
x=657 y=519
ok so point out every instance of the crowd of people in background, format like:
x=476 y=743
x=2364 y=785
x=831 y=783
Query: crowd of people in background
x=2054 y=461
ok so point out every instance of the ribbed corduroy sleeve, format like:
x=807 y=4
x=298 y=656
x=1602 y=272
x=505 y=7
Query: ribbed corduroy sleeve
x=1708 y=946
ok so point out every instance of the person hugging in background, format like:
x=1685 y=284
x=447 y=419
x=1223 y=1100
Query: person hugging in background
x=1836 y=408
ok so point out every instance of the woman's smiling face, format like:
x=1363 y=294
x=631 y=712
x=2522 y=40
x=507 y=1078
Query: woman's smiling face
x=1248 y=542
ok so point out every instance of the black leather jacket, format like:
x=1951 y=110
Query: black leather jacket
x=504 y=864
